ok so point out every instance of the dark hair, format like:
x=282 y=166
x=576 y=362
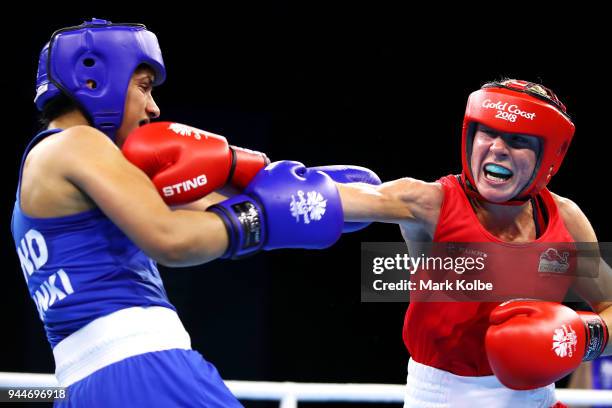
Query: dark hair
x=56 y=107
x=534 y=89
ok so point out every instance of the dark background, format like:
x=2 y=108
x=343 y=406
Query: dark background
x=344 y=86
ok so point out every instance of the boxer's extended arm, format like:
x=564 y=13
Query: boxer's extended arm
x=400 y=201
x=349 y=174
x=91 y=162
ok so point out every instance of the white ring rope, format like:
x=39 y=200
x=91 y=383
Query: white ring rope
x=289 y=393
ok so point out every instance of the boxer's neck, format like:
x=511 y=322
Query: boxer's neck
x=68 y=120
x=508 y=222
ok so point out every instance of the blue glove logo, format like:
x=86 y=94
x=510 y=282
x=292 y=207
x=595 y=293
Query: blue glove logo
x=312 y=207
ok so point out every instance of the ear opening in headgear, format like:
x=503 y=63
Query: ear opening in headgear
x=536 y=169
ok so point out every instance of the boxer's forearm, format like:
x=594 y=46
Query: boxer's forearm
x=362 y=202
x=595 y=287
x=193 y=238
x=392 y=202
x=606 y=315
x=203 y=203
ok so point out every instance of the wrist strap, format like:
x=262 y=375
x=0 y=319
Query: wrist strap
x=232 y=170
x=243 y=220
x=596 y=335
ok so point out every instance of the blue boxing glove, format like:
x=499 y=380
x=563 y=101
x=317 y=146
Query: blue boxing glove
x=286 y=205
x=350 y=174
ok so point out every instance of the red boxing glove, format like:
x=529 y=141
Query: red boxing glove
x=186 y=163
x=531 y=344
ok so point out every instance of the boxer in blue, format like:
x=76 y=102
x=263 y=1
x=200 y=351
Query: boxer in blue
x=89 y=258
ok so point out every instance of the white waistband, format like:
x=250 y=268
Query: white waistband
x=431 y=387
x=114 y=337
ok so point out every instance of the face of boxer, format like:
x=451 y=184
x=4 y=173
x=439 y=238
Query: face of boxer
x=502 y=163
x=140 y=107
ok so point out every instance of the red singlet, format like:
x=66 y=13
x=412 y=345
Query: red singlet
x=450 y=335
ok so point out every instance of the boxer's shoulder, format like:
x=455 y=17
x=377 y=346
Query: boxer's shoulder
x=75 y=141
x=565 y=204
x=423 y=201
x=420 y=195
x=46 y=188
x=574 y=219
x=82 y=138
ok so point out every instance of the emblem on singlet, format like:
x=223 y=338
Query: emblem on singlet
x=553 y=261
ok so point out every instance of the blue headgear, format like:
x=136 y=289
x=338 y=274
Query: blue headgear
x=103 y=54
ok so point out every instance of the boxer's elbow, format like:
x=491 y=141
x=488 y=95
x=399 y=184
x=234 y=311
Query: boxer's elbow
x=165 y=249
x=176 y=252
x=171 y=255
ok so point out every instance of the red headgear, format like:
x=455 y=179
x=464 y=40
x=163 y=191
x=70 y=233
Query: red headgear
x=514 y=106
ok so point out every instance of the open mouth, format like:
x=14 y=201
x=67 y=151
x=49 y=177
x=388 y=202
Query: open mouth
x=497 y=173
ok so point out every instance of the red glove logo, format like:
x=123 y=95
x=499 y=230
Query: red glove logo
x=564 y=341
x=185 y=130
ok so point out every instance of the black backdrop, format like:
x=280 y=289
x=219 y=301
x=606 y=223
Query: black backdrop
x=320 y=86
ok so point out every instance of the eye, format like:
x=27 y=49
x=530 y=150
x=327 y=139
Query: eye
x=519 y=141
x=488 y=134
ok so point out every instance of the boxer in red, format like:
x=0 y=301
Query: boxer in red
x=515 y=136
